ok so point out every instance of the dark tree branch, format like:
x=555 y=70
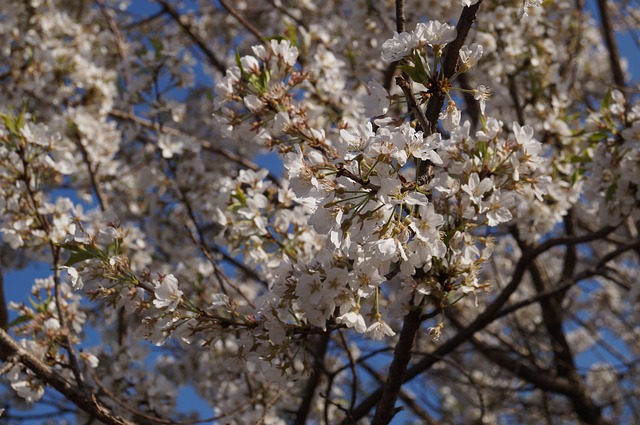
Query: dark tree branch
x=407 y=399
x=471 y=104
x=515 y=98
x=248 y=25
x=552 y=318
x=62 y=318
x=511 y=362
x=400 y=18
x=388 y=75
x=450 y=62
x=570 y=255
x=401 y=357
x=609 y=38
x=414 y=109
x=484 y=319
x=85 y=400
x=570 y=385
x=4 y=313
x=314 y=379
x=563 y=358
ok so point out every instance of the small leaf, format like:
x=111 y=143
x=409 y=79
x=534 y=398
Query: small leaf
x=8 y=123
x=575 y=176
x=19 y=320
x=238 y=63
x=611 y=191
x=292 y=33
x=78 y=257
x=417 y=60
x=606 y=101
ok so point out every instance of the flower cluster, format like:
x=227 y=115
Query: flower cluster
x=613 y=143
x=269 y=221
x=434 y=34
x=387 y=206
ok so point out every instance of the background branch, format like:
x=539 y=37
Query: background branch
x=84 y=399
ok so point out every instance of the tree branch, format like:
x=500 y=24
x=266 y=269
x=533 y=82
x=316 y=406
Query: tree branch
x=226 y=153
x=248 y=25
x=401 y=357
x=195 y=37
x=4 y=313
x=484 y=319
x=314 y=380
x=85 y=400
x=612 y=47
x=407 y=399
x=400 y=18
x=450 y=62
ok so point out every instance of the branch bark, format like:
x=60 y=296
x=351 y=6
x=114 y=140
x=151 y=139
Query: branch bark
x=434 y=107
x=195 y=37
x=4 y=313
x=248 y=25
x=484 y=319
x=85 y=400
x=314 y=380
x=612 y=47
x=401 y=357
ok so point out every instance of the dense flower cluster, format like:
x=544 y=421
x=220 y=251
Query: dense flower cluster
x=263 y=200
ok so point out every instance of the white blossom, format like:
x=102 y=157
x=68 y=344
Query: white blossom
x=397 y=47
x=166 y=292
x=379 y=329
x=377 y=103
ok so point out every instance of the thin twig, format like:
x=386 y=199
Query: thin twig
x=92 y=174
x=413 y=104
x=62 y=318
x=238 y=159
x=193 y=35
x=400 y=18
x=407 y=399
x=248 y=25
x=113 y=27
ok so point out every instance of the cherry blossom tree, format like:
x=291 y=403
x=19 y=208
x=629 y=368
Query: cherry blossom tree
x=322 y=212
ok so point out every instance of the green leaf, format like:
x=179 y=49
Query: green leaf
x=36 y=306
x=576 y=175
x=579 y=159
x=238 y=63
x=8 y=123
x=20 y=120
x=277 y=38
x=19 y=320
x=606 y=101
x=292 y=33
x=416 y=72
x=411 y=71
x=417 y=60
x=78 y=257
x=264 y=80
x=82 y=252
x=599 y=135
x=611 y=191
x=158 y=46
